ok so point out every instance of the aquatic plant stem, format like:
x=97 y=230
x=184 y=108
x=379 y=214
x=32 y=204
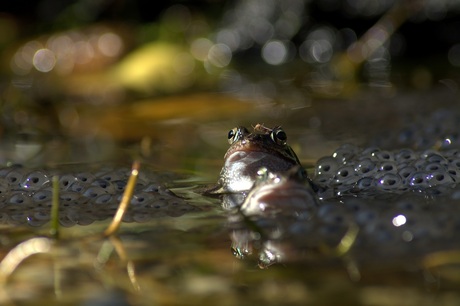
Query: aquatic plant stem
x=55 y=209
x=126 y=199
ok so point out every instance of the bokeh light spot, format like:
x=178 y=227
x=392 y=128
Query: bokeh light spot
x=110 y=44
x=407 y=236
x=220 y=55
x=399 y=220
x=229 y=38
x=44 y=60
x=84 y=52
x=200 y=48
x=274 y=52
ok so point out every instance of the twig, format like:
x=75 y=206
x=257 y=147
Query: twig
x=126 y=199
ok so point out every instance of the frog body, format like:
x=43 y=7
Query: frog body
x=274 y=194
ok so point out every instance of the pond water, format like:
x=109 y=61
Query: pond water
x=177 y=246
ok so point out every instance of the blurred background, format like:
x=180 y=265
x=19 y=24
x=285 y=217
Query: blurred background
x=100 y=73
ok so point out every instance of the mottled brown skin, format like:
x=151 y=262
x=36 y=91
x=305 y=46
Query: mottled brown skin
x=276 y=194
x=250 y=151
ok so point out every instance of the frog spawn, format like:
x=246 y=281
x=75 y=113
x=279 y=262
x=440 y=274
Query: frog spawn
x=371 y=172
x=399 y=196
x=26 y=195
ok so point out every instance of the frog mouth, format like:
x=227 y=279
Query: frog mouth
x=247 y=147
x=253 y=160
x=238 y=155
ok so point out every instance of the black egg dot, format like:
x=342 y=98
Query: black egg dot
x=455 y=163
x=387 y=167
x=405 y=155
x=365 y=182
x=433 y=167
x=326 y=166
x=406 y=171
x=383 y=155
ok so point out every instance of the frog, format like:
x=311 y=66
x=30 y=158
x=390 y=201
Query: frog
x=249 y=152
x=276 y=194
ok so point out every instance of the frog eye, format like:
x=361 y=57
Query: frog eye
x=231 y=135
x=279 y=136
x=236 y=133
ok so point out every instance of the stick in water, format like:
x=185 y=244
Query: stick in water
x=126 y=199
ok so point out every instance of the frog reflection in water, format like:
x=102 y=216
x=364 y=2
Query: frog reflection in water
x=249 y=152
